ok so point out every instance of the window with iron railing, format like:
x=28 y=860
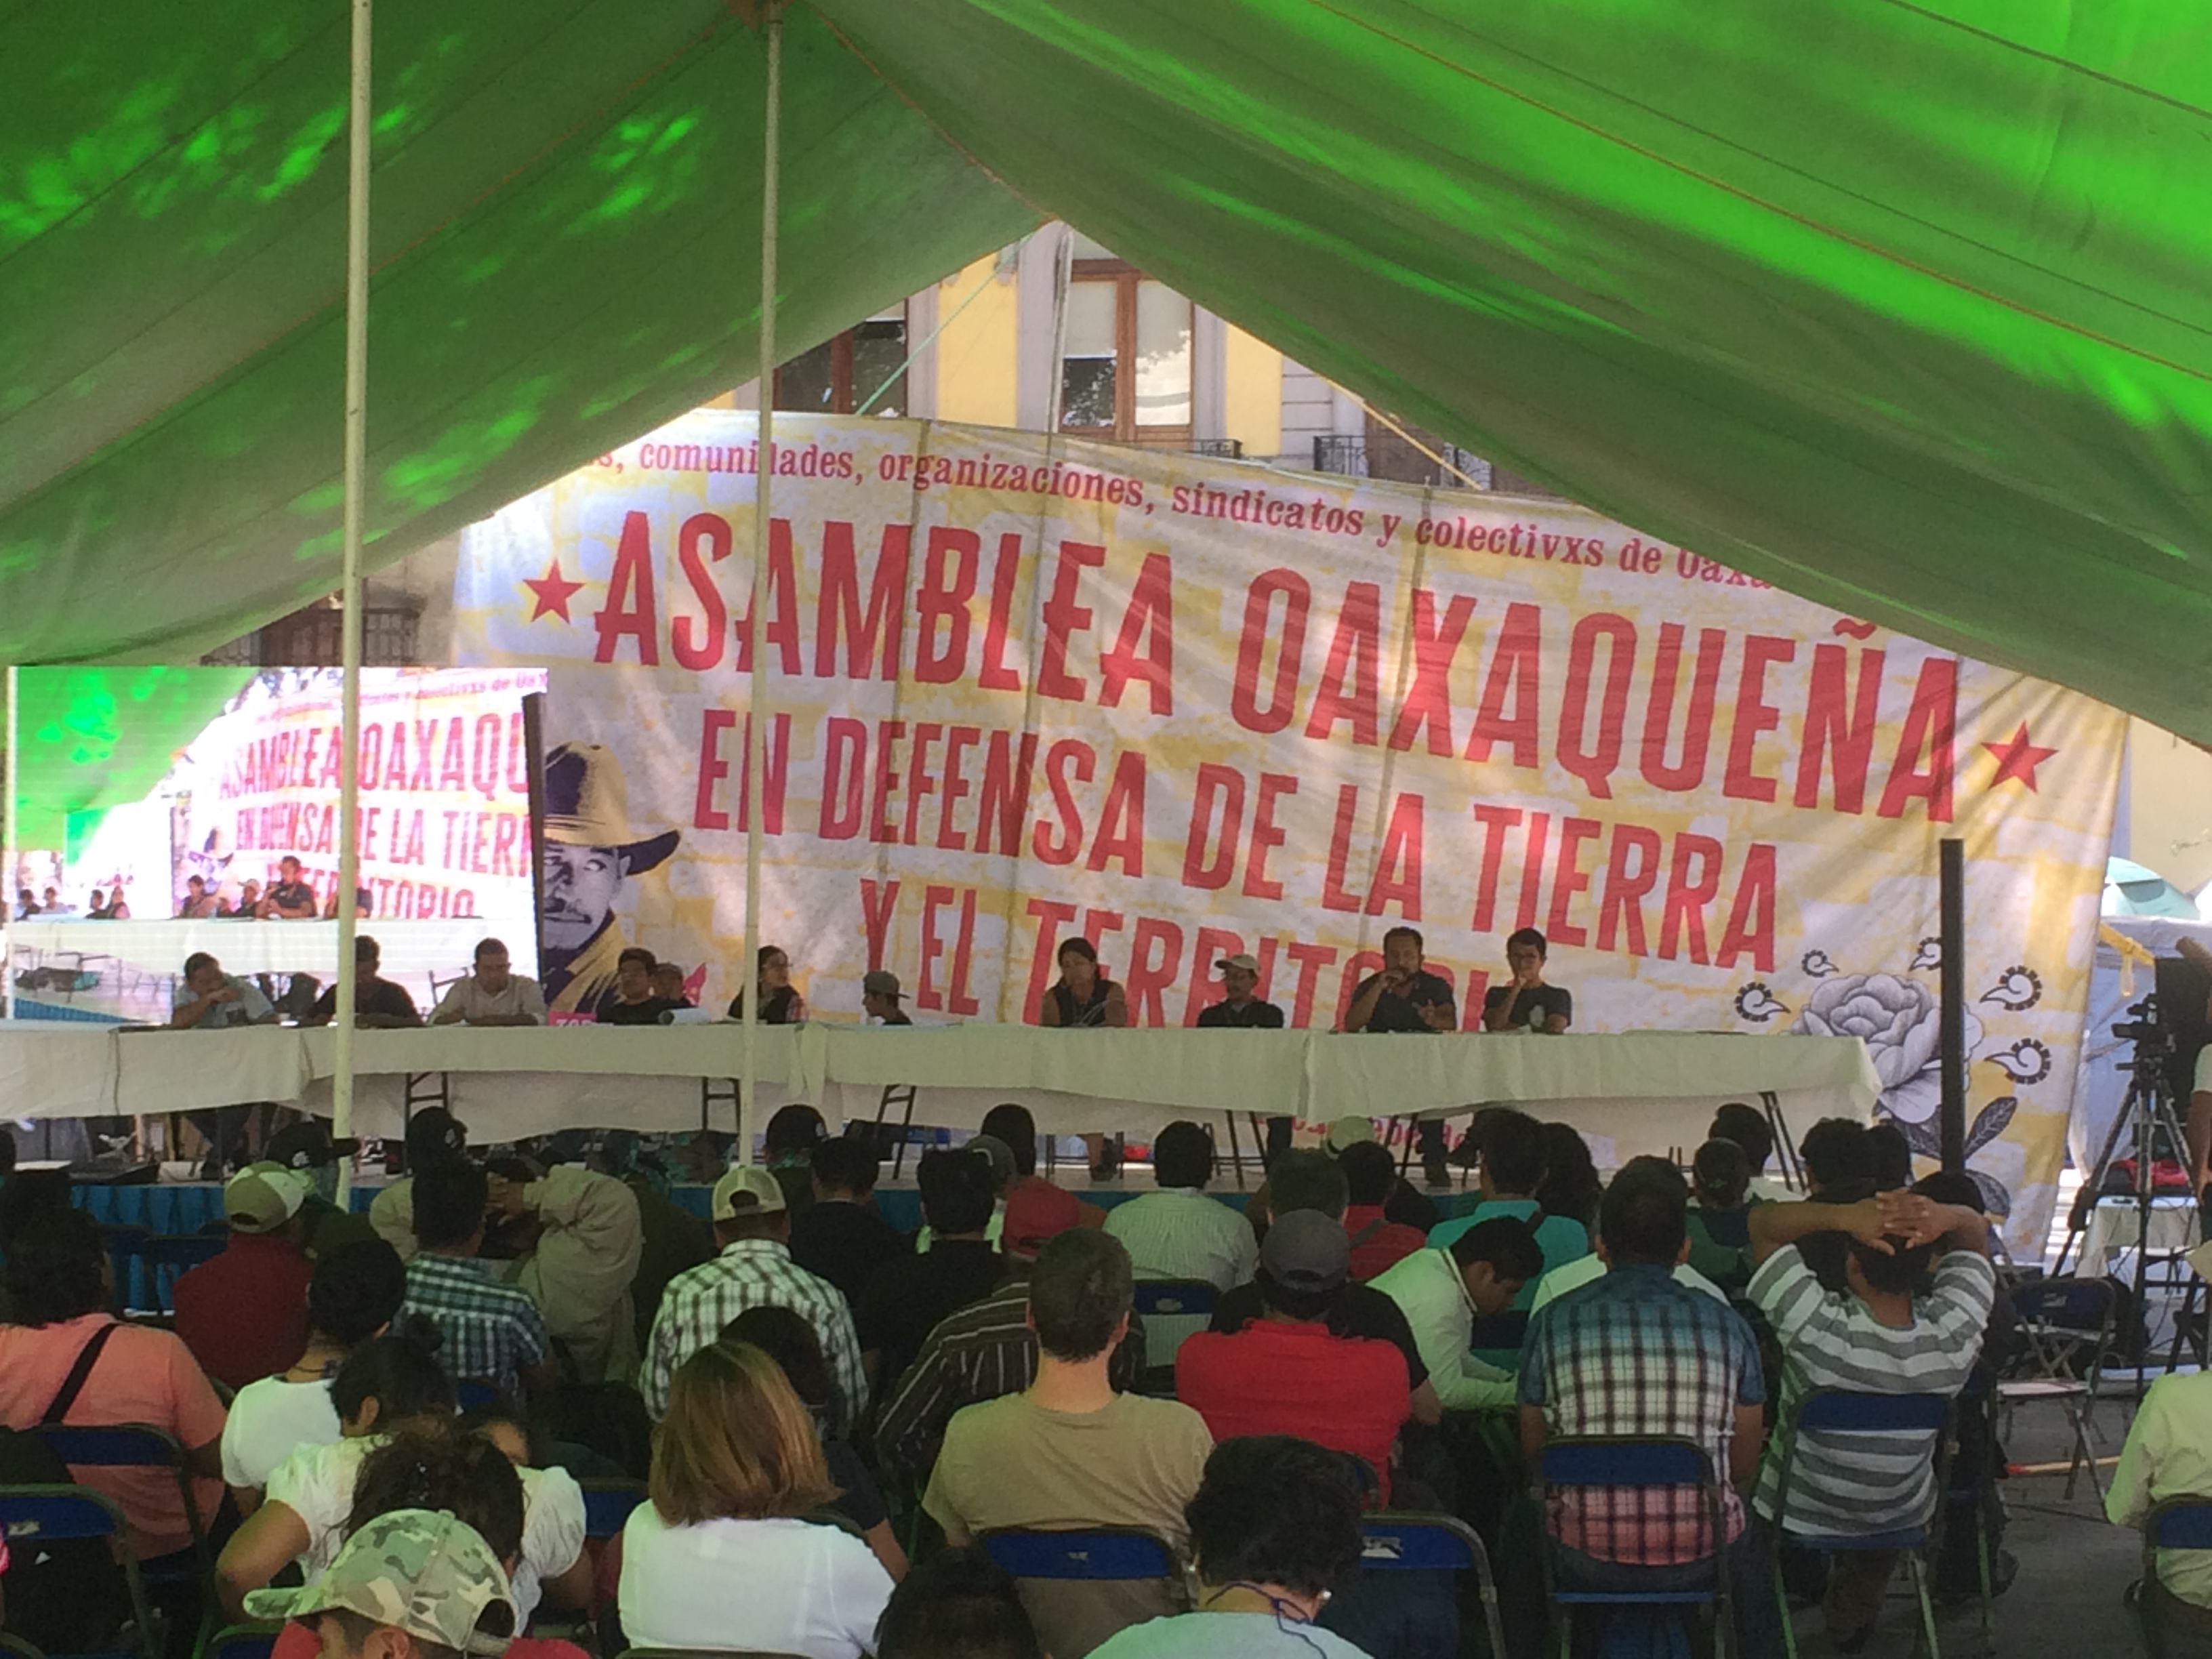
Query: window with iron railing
x=310 y=638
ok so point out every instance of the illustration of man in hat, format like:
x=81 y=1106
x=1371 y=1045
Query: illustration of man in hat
x=590 y=846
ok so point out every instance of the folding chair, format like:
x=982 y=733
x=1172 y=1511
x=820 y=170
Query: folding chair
x=1391 y=1541
x=1839 y=1411
x=2177 y=1523
x=242 y=1642
x=1977 y=1490
x=1118 y=1554
x=1172 y=1298
x=1628 y=1461
x=141 y=1446
x=2067 y=1324
x=57 y=1514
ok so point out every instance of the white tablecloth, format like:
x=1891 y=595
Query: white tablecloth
x=1655 y=1089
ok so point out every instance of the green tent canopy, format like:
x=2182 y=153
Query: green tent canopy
x=1899 y=306
x=97 y=738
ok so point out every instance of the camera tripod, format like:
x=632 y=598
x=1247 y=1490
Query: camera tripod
x=2152 y=1129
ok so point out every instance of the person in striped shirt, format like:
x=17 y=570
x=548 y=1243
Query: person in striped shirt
x=1892 y=1332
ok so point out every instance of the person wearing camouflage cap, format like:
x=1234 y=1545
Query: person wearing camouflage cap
x=417 y=1575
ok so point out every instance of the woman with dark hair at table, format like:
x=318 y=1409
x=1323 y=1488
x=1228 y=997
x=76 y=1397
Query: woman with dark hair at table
x=780 y=1001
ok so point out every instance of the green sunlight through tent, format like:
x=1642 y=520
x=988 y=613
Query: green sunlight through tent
x=1901 y=306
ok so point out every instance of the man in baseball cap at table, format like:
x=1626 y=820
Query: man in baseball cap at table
x=410 y=1584
x=1240 y=1007
x=752 y=1229
x=881 y=998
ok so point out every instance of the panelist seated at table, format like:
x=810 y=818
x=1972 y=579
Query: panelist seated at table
x=1082 y=995
x=634 y=1001
x=493 y=995
x=1240 y=1007
x=668 y=984
x=378 y=1004
x=1405 y=996
x=780 y=1001
x=212 y=1000
x=198 y=903
x=1524 y=1002
x=290 y=897
x=881 y=998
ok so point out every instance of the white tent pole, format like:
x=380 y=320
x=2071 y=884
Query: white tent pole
x=7 y=859
x=758 y=713
x=356 y=467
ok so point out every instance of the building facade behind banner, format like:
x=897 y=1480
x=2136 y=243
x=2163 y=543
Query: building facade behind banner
x=1030 y=688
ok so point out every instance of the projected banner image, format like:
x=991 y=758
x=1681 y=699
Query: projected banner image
x=1028 y=688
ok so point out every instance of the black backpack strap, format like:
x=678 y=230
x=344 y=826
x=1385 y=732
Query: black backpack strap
x=86 y=1358
x=1368 y=1232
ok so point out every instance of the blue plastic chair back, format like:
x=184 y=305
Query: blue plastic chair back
x=1406 y=1544
x=2084 y=1301
x=58 y=1513
x=128 y=1445
x=1110 y=1554
x=472 y=1394
x=1191 y=1297
x=1621 y=1463
x=607 y=1506
x=1834 y=1411
x=2181 y=1524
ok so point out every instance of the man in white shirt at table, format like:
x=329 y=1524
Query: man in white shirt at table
x=493 y=995
x=212 y=1000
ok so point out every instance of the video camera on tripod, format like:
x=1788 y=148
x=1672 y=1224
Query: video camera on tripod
x=2146 y=1028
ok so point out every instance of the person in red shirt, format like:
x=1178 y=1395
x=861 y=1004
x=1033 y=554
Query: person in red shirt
x=1378 y=1243
x=1286 y=1372
x=244 y=1314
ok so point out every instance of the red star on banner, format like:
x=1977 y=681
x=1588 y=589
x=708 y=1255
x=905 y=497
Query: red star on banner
x=553 y=591
x=2018 y=758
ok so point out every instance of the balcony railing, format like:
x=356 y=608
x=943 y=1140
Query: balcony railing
x=1355 y=457
x=1226 y=449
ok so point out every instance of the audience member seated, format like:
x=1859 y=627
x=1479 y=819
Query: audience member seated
x=391 y=1391
x=244 y=1314
x=1274 y=1528
x=790 y=1341
x=1720 y=1201
x=1378 y=1243
x=787 y=1147
x=1178 y=1232
x=722 y=1556
x=58 y=1284
x=1014 y=1126
x=2169 y=1454
x=755 y=1270
x=1836 y=1158
x=842 y=1237
x=1748 y=1127
x=780 y=1001
x=1070 y=1451
x=1305 y=1179
x=913 y=1294
x=1696 y=1378
x=210 y=1000
x=1571 y=1187
x=1882 y=1336
x=493 y=995
x=958 y=1604
x=988 y=1349
x=413 y=1583
x=672 y=1239
x=635 y=1001
x=306 y=1149
x=488 y=1331
x=1407 y=1204
x=378 y=1004
x=1285 y=1373
x=434 y=1135
x=1891 y=1154
x=354 y=1294
x=290 y=897
x=571 y=1239
x=1510 y=1167
x=1443 y=1292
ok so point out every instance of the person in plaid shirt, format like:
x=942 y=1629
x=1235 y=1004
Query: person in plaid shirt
x=488 y=1330
x=752 y=1225
x=1635 y=1353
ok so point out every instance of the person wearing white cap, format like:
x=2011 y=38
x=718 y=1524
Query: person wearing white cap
x=1240 y=1007
x=244 y=1314
x=752 y=1226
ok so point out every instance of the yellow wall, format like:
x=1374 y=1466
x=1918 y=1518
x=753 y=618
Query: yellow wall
x=975 y=354
x=1253 y=410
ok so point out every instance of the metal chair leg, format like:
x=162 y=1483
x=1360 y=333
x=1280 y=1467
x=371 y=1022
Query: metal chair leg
x=1989 y=1590
x=1782 y=1601
x=1927 y=1606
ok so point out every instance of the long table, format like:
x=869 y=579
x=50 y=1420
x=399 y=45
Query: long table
x=1653 y=1089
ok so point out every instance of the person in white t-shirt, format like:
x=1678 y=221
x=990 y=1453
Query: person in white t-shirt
x=495 y=994
x=355 y=1295
x=721 y=1557
x=389 y=1384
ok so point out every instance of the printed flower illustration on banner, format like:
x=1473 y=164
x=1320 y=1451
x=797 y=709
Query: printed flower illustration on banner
x=1900 y=1023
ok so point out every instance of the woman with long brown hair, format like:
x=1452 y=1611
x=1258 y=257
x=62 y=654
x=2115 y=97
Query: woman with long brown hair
x=724 y=1555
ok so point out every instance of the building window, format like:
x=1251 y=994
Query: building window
x=1125 y=365
x=841 y=374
